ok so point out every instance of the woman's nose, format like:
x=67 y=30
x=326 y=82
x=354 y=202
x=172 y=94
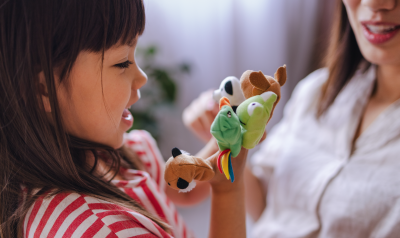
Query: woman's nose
x=379 y=5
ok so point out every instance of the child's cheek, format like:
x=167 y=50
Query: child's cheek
x=118 y=94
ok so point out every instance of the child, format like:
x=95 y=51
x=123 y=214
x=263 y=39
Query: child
x=68 y=76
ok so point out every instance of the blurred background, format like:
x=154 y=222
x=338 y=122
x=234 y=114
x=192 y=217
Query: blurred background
x=190 y=46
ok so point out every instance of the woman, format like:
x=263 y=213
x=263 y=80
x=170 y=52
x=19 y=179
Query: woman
x=330 y=167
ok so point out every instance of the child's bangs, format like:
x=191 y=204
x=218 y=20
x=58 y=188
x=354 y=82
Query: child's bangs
x=126 y=22
x=92 y=25
x=112 y=22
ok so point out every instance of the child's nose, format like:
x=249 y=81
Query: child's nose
x=140 y=78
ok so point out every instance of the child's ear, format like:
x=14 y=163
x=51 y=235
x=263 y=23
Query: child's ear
x=43 y=92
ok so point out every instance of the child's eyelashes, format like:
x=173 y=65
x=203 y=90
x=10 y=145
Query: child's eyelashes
x=124 y=65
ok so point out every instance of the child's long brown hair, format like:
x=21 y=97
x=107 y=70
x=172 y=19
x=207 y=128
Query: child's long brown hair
x=343 y=58
x=36 y=36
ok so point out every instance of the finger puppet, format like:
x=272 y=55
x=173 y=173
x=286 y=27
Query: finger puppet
x=231 y=130
x=255 y=83
x=182 y=169
x=226 y=128
x=230 y=88
x=254 y=113
x=227 y=131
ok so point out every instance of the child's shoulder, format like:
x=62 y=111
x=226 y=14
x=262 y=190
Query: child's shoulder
x=71 y=214
x=144 y=145
x=139 y=137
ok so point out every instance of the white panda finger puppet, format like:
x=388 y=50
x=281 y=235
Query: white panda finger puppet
x=230 y=88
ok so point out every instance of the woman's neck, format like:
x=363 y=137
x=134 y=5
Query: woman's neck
x=388 y=84
x=386 y=91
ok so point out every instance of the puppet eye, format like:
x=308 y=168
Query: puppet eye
x=229 y=114
x=169 y=184
x=252 y=106
x=229 y=88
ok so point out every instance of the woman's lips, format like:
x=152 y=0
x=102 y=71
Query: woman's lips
x=127 y=117
x=379 y=33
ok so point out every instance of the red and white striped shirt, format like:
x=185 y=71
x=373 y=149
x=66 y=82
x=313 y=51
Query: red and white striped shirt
x=77 y=215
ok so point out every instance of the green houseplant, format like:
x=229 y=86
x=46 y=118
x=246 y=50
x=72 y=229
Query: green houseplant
x=160 y=91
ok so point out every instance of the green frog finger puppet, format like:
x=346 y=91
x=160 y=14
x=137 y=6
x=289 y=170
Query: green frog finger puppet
x=254 y=113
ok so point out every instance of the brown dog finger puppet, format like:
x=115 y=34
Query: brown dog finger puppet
x=182 y=169
x=256 y=83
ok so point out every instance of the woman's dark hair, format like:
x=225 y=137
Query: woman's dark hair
x=343 y=58
x=37 y=36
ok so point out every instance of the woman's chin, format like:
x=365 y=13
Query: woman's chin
x=381 y=56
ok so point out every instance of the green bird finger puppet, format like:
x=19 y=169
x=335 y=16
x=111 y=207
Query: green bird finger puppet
x=226 y=128
x=227 y=131
x=254 y=114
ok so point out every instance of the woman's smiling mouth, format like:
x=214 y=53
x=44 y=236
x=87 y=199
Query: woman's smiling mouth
x=379 y=32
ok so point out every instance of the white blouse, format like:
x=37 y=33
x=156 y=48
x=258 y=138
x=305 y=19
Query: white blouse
x=319 y=187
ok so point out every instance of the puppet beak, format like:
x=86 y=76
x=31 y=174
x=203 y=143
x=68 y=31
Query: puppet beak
x=224 y=102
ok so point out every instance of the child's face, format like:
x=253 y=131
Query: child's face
x=93 y=102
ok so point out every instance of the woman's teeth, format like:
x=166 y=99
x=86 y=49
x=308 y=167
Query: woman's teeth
x=381 y=29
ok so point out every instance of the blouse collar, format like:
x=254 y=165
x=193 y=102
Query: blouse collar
x=344 y=116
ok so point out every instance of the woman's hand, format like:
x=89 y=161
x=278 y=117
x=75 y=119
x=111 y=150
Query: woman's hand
x=200 y=114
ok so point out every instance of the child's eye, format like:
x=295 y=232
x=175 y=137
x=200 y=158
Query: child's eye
x=124 y=65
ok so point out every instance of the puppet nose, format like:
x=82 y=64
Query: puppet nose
x=217 y=95
x=182 y=184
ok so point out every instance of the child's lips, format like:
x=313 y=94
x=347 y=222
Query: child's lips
x=127 y=117
x=126 y=113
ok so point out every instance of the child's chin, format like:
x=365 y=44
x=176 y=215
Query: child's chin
x=117 y=141
x=118 y=144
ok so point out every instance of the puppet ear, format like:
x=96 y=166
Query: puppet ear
x=224 y=102
x=280 y=75
x=204 y=170
x=176 y=152
x=259 y=81
x=267 y=95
